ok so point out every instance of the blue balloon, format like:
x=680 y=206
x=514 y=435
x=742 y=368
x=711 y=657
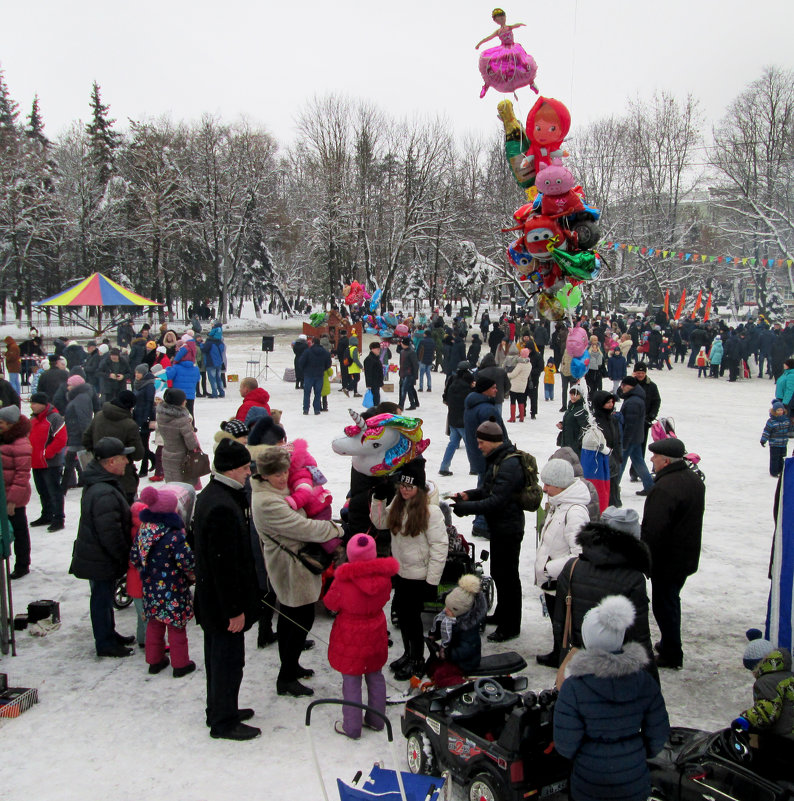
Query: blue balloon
x=375 y=300
x=579 y=366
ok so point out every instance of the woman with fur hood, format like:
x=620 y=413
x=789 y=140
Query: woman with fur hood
x=519 y=383
x=176 y=428
x=609 y=712
x=16 y=452
x=613 y=561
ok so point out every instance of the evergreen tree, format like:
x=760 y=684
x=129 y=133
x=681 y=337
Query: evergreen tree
x=102 y=139
x=35 y=128
x=8 y=115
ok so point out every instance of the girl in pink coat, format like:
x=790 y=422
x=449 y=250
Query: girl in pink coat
x=305 y=483
x=359 y=642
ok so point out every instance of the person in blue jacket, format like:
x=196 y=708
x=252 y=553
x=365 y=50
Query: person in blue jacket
x=214 y=349
x=479 y=406
x=185 y=375
x=610 y=716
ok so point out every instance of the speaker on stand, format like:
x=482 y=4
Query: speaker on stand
x=268 y=345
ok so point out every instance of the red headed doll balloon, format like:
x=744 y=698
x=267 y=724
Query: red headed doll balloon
x=548 y=123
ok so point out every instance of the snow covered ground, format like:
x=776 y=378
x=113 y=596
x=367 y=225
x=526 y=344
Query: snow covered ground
x=104 y=728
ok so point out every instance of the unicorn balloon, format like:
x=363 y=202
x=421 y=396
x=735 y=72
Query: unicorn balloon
x=382 y=444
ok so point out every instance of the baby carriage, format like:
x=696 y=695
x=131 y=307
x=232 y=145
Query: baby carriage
x=383 y=784
x=460 y=561
x=664 y=428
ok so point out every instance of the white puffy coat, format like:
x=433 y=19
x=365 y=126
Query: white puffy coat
x=519 y=377
x=422 y=557
x=566 y=516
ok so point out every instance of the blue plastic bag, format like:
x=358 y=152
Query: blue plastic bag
x=368 y=399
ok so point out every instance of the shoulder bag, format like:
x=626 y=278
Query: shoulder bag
x=195 y=465
x=566 y=632
x=311 y=555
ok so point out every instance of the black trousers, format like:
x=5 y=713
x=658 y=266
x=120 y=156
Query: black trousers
x=294 y=623
x=505 y=552
x=224 y=659
x=19 y=523
x=666 y=605
x=408 y=602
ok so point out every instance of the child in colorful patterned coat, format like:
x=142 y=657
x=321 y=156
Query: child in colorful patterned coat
x=359 y=642
x=166 y=564
x=776 y=434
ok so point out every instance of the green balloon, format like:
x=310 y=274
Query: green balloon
x=579 y=265
x=570 y=296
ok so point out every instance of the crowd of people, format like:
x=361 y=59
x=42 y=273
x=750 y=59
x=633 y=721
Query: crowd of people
x=263 y=528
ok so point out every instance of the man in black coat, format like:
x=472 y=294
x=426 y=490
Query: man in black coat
x=672 y=524
x=343 y=353
x=50 y=380
x=373 y=372
x=299 y=347
x=409 y=370
x=497 y=501
x=426 y=353
x=101 y=551
x=634 y=411
x=227 y=593
x=653 y=402
x=455 y=393
x=314 y=361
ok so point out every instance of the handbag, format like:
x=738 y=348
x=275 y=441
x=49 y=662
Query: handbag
x=195 y=465
x=566 y=632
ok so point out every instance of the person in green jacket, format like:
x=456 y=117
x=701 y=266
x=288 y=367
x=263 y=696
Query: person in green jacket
x=355 y=366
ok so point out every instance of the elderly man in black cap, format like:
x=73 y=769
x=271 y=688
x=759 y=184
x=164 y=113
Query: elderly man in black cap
x=101 y=551
x=227 y=594
x=115 y=420
x=496 y=500
x=672 y=523
x=653 y=401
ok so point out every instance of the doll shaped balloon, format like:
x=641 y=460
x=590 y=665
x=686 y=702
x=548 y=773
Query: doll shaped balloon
x=548 y=123
x=508 y=66
x=355 y=294
x=577 y=341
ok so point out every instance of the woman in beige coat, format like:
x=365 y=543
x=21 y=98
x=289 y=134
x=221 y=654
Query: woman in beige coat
x=175 y=426
x=282 y=532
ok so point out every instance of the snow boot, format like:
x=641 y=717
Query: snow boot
x=512 y=413
x=522 y=410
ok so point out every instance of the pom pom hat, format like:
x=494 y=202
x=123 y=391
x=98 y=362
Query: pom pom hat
x=163 y=501
x=557 y=473
x=360 y=548
x=461 y=599
x=604 y=626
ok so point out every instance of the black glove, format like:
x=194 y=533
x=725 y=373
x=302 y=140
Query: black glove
x=382 y=490
x=457 y=509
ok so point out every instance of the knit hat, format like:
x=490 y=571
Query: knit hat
x=111 y=446
x=10 y=414
x=162 y=501
x=483 y=383
x=142 y=368
x=629 y=381
x=216 y=323
x=302 y=336
x=161 y=349
x=266 y=432
x=40 y=397
x=235 y=427
x=490 y=431
x=464 y=365
x=604 y=626
x=460 y=599
x=626 y=520
x=778 y=405
x=186 y=337
x=229 y=455
x=757 y=648
x=671 y=447
x=125 y=400
x=174 y=396
x=75 y=381
x=44 y=364
x=557 y=473
x=254 y=414
x=156 y=369
x=151 y=345
x=361 y=547
x=642 y=366
x=103 y=349
x=413 y=473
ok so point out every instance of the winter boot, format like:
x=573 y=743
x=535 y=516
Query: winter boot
x=512 y=418
x=522 y=410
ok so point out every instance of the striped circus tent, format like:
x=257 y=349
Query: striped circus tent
x=780 y=612
x=97 y=290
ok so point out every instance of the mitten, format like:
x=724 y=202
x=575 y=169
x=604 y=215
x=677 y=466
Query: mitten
x=331 y=545
x=740 y=724
x=763 y=443
x=292 y=502
x=381 y=490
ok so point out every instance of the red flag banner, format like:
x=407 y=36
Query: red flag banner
x=697 y=305
x=680 y=305
x=667 y=303
x=707 y=310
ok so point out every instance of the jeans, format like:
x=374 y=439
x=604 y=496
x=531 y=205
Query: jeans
x=294 y=623
x=666 y=605
x=505 y=552
x=455 y=437
x=376 y=698
x=13 y=379
x=140 y=629
x=548 y=392
x=636 y=453
x=48 y=486
x=424 y=370
x=103 y=621
x=155 y=644
x=214 y=376
x=224 y=660
x=407 y=389
x=776 y=457
x=310 y=383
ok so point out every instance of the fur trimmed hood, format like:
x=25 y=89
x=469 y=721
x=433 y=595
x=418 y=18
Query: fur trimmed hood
x=17 y=431
x=604 y=665
x=603 y=545
x=366 y=574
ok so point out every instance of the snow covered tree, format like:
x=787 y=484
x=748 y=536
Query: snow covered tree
x=102 y=139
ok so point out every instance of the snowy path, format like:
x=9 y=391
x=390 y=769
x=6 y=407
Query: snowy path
x=106 y=729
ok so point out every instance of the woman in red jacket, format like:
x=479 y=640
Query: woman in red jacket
x=48 y=440
x=15 y=451
x=359 y=642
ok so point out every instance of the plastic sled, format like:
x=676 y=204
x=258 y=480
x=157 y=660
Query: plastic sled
x=383 y=784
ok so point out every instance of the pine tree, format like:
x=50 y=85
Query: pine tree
x=103 y=140
x=35 y=128
x=8 y=115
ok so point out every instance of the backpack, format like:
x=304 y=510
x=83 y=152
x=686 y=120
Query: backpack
x=531 y=494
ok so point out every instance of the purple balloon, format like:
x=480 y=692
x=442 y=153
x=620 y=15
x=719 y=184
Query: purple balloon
x=576 y=344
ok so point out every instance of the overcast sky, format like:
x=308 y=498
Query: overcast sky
x=264 y=59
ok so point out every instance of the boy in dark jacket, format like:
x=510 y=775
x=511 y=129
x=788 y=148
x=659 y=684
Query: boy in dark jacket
x=102 y=549
x=776 y=434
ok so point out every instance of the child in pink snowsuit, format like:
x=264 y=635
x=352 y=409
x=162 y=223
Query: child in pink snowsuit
x=305 y=483
x=359 y=642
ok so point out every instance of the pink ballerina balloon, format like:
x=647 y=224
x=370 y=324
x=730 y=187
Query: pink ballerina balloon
x=577 y=342
x=508 y=66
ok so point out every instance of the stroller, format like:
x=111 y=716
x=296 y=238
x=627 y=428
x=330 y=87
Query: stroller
x=460 y=561
x=664 y=428
x=387 y=785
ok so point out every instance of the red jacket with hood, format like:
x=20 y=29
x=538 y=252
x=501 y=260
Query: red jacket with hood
x=47 y=438
x=256 y=397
